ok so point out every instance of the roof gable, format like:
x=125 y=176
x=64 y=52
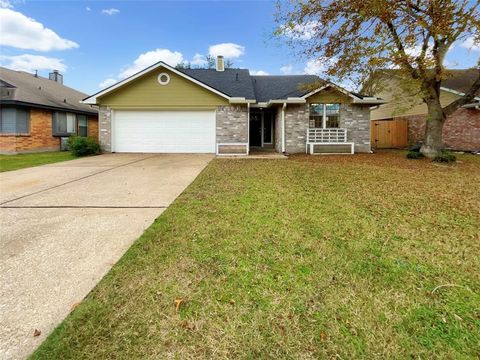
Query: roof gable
x=93 y=98
x=146 y=91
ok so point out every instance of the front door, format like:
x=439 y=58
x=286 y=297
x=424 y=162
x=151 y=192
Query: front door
x=256 y=129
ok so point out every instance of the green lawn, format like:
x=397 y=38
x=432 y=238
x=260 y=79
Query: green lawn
x=311 y=257
x=15 y=162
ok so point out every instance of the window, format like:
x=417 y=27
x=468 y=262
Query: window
x=82 y=125
x=163 y=79
x=64 y=123
x=324 y=115
x=14 y=120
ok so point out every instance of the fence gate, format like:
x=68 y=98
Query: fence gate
x=389 y=134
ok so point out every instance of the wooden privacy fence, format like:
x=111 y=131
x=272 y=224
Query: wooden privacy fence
x=389 y=134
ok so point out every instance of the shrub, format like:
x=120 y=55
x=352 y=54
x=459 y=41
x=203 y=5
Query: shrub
x=445 y=157
x=412 y=154
x=415 y=147
x=83 y=146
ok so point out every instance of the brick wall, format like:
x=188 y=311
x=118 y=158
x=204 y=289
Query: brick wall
x=296 y=124
x=40 y=137
x=232 y=124
x=105 y=126
x=92 y=128
x=355 y=118
x=460 y=132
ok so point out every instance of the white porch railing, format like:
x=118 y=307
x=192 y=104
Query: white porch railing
x=328 y=141
x=329 y=135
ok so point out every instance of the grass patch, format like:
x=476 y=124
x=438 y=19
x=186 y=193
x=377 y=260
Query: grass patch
x=20 y=161
x=310 y=257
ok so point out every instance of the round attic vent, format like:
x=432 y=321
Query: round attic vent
x=163 y=79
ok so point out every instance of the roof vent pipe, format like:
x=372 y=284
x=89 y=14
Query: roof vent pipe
x=220 y=63
x=56 y=76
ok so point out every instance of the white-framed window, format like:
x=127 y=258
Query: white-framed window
x=64 y=124
x=163 y=78
x=324 y=116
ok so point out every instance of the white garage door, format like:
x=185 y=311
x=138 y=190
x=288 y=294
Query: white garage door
x=164 y=131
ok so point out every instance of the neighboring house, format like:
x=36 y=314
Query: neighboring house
x=36 y=112
x=228 y=111
x=461 y=130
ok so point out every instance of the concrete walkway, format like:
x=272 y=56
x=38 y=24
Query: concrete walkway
x=64 y=225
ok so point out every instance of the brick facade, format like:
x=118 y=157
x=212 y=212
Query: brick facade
x=460 y=132
x=296 y=125
x=355 y=118
x=105 y=127
x=232 y=124
x=40 y=137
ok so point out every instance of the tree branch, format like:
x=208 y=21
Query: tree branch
x=401 y=49
x=468 y=97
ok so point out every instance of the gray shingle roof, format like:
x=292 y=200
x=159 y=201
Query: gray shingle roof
x=282 y=86
x=23 y=87
x=231 y=82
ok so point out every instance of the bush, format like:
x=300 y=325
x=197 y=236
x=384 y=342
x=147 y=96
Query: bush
x=415 y=147
x=412 y=154
x=83 y=146
x=445 y=157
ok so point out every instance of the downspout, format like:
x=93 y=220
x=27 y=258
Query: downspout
x=283 y=126
x=248 y=128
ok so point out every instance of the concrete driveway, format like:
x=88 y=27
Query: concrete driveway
x=64 y=225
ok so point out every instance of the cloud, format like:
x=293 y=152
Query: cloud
x=110 y=11
x=151 y=57
x=286 y=70
x=5 y=4
x=88 y=8
x=198 y=60
x=470 y=44
x=30 y=63
x=301 y=31
x=20 y=31
x=314 y=67
x=228 y=50
x=107 y=82
x=258 y=72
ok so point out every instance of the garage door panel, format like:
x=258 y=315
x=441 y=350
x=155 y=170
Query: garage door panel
x=164 y=131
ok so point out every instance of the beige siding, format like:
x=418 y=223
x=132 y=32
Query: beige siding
x=147 y=92
x=330 y=96
x=403 y=105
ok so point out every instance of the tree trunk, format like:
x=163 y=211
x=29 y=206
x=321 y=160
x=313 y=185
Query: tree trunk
x=433 y=143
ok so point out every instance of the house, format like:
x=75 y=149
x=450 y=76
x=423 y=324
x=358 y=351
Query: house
x=228 y=111
x=36 y=112
x=404 y=116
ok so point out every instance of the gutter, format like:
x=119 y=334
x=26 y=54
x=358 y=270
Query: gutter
x=49 y=107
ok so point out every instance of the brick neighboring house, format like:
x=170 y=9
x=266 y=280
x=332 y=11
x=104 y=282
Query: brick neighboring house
x=461 y=130
x=36 y=112
x=230 y=112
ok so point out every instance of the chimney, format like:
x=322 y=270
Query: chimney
x=56 y=76
x=220 y=63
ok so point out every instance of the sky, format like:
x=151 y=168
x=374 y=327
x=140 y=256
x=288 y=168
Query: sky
x=97 y=43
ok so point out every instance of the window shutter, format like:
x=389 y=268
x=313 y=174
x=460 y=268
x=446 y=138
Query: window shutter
x=8 y=120
x=22 y=121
